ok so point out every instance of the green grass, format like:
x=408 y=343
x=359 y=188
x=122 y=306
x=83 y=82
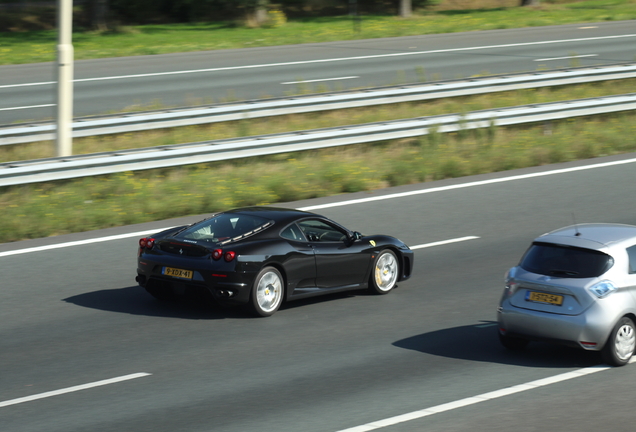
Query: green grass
x=40 y=46
x=32 y=211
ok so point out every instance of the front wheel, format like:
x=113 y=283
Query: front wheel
x=384 y=273
x=267 y=292
x=620 y=345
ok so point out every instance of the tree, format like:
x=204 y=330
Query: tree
x=255 y=11
x=406 y=8
x=98 y=14
x=261 y=11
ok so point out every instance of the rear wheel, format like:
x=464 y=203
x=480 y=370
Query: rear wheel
x=620 y=345
x=267 y=292
x=384 y=273
x=513 y=343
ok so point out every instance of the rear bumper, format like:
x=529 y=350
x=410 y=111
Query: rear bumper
x=588 y=330
x=224 y=287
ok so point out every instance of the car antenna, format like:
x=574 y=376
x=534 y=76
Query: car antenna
x=576 y=229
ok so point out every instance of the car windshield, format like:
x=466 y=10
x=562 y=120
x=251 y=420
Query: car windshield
x=565 y=261
x=225 y=227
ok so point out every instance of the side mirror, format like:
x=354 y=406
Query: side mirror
x=355 y=236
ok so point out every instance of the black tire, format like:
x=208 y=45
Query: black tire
x=619 y=348
x=384 y=273
x=513 y=343
x=267 y=292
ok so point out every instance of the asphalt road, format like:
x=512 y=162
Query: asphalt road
x=27 y=92
x=72 y=315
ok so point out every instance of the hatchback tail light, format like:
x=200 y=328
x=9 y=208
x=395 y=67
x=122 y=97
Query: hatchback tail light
x=603 y=289
x=511 y=288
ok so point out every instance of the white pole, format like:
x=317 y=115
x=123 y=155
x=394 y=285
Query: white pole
x=64 y=78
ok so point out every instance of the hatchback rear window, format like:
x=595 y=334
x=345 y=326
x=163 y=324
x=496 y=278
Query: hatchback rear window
x=565 y=261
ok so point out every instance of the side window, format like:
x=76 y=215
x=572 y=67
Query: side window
x=631 y=252
x=292 y=232
x=317 y=230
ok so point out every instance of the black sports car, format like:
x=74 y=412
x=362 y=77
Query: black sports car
x=260 y=256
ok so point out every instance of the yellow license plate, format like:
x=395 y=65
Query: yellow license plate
x=544 y=298
x=177 y=273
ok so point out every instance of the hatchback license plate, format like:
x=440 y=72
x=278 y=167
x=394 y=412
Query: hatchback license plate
x=544 y=298
x=177 y=273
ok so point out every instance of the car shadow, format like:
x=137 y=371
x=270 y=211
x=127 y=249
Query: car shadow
x=480 y=342
x=135 y=300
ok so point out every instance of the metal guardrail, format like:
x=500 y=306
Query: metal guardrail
x=14 y=173
x=134 y=122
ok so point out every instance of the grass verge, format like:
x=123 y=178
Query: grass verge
x=40 y=210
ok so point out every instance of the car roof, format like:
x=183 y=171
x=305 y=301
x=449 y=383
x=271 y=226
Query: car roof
x=597 y=236
x=277 y=214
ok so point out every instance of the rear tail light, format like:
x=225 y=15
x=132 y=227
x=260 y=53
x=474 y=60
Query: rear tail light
x=147 y=242
x=227 y=256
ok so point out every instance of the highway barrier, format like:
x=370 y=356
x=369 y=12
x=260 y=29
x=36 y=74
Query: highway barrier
x=14 y=173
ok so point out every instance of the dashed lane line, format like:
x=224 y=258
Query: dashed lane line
x=414 y=415
x=73 y=389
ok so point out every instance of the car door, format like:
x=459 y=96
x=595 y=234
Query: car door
x=300 y=265
x=339 y=261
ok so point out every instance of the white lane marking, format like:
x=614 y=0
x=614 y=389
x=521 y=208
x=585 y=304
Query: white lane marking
x=26 y=107
x=28 y=84
x=268 y=65
x=567 y=58
x=343 y=203
x=467 y=185
x=73 y=389
x=476 y=399
x=319 y=80
x=443 y=242
x=79 y=242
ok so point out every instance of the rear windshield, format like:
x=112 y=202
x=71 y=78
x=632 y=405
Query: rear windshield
x=565 y=261
x=225 y=227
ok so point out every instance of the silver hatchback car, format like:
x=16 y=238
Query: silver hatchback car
x=575 y=286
